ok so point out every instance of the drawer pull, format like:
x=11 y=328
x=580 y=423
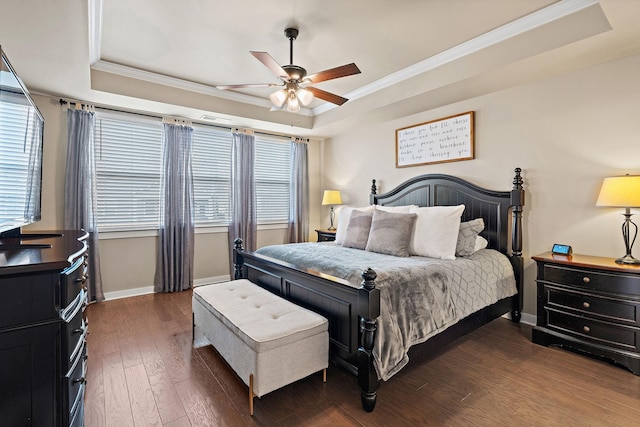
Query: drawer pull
x=586 y=279
x=81 y=380
x=586 y=329
x=77 y=331
x=586 y=304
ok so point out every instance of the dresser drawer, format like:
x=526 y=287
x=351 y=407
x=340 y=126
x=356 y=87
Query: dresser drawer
x=77 y=419
x=588 y=279
x=75 y=334
x=73 y=280
x=602 y=332
x=614 y=310
x=75 y=381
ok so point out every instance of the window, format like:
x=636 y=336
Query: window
x=211 y=162
x=273 y=179
x=20 y=160
x=128 y=167
x=129 y=174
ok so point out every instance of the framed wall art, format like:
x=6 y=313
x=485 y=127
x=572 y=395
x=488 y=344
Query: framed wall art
x=449 y=139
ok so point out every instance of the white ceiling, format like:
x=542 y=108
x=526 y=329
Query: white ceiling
x=166 y=56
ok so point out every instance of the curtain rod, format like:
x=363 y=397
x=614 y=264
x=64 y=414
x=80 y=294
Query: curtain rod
x=101 y=107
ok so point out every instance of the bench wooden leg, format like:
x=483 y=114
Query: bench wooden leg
x=251 y=394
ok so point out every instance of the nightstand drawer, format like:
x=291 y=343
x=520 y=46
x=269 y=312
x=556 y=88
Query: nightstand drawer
x=326 y=235
x=589 y=279
x=610 y=309
x=602 y=332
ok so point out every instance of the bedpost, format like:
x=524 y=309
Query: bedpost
x=374 y=192
x=368 y=310
x=238 y=261
x=517 y=202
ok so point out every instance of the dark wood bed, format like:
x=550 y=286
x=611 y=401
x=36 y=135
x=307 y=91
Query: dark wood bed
x=352 y=312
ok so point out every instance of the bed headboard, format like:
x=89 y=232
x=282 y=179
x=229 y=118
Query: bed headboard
x=445 y=190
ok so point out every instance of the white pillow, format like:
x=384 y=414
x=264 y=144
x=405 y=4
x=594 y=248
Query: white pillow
x=481 y=243
x=436 y=231
x=344 y=214
x=396 y=209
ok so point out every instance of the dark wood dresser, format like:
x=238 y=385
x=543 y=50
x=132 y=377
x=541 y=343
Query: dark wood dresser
x=326 y=235
x=43 y=329
x=590 y=304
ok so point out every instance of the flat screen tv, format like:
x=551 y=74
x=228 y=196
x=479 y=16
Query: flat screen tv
x=21 y=138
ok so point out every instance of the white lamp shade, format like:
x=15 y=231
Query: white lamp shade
x=293 y=106
x=305 y=96
x=278 y=97
x=620 y=191
x=331 y=197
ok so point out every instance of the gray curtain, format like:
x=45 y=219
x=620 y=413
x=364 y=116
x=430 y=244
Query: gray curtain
x=80 y=191
x=174 y=266
x=299 y=202
x=242 y=209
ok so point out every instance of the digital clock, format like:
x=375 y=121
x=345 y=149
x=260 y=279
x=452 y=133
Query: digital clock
x=561 y=249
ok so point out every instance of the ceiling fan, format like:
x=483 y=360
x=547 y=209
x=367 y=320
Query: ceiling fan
x=295 y=81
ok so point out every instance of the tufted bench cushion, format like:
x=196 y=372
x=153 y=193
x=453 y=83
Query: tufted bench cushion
x=268 y=341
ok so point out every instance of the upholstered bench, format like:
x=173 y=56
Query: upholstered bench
x=268 y=341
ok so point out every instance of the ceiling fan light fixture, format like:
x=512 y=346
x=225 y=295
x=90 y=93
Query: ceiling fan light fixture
x=293 y=105
x=294 y=80
x=305 y=96
x=279 y=97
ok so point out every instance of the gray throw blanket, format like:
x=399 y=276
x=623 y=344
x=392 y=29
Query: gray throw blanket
x=418 y=295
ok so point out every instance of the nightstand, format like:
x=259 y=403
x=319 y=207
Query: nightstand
x=326 y=235
x=590 y=304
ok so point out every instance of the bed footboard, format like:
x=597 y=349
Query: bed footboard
x=352 y=312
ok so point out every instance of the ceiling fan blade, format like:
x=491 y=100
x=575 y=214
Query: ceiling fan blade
x=271 y=64
x=334 y=73
x=224 y=87
x=327 y=96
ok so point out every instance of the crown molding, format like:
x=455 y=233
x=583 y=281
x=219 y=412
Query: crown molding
x=164 y=80
x=95 y=30
x=527 y=23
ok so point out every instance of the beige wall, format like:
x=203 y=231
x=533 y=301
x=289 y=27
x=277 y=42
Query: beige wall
x=566 y=133
x=129 y=263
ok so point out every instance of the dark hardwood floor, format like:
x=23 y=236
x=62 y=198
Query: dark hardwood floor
x=144 y=372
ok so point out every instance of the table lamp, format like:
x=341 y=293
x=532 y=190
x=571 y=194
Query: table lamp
x=623 y=192
x=331 y=197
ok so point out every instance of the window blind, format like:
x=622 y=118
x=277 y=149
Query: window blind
x=273 y=179
x=19 y=173
x=128 y=173
x=129 y=167
x=211 y=162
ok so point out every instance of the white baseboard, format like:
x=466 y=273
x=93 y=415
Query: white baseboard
x=144 y=290
x=528 y=319
x=126 y=293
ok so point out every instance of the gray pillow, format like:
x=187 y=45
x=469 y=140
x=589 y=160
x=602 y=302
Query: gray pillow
x=467 y=237
x=391 y=233
x=358 y=229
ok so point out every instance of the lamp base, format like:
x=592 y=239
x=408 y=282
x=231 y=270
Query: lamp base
x=332 y=228
x=628 y=259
